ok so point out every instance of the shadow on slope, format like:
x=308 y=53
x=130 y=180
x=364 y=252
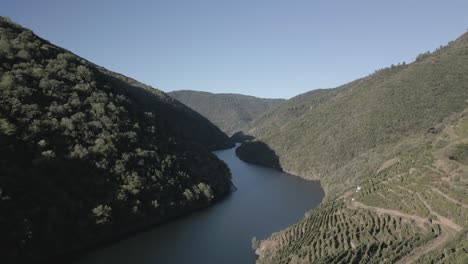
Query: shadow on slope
x=240 y=137
x=175 y=117
x=259 y=153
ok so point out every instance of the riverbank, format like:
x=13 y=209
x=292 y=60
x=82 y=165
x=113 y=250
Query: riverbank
x=255 y=152
x=135 y=229
x=222 y=233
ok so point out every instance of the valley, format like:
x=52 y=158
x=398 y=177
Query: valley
x=97 y=167
x=222 y=233
x=230 y=112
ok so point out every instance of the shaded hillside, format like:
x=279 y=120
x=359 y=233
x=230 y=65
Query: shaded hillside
x=88 y=155
x=230 y=112
x=391 y=134
x=258 y=153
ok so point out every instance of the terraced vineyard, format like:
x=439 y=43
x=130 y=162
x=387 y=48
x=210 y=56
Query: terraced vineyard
x=429 y=183
x=414 y=208
x=457 y=248
x=432 y=184
x=337 y=233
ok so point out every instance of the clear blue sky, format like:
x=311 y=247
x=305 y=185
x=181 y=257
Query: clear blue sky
x=261 y=48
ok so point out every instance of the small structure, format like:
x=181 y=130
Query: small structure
x=358 y=189
x=352 y=199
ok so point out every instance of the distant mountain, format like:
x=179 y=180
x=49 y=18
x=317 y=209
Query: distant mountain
x=390 y=150
x=88 y=155
x=230 y=112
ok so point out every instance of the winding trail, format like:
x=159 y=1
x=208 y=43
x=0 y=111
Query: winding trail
x=424 y=249
x=421 y=221
x=448 y=227
x=441 y=220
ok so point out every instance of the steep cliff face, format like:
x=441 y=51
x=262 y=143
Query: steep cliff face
x=87 y=155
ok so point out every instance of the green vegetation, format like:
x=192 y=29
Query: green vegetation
x=368 y=115
x=400 y=135
x=258 y=153
x=454 y=252
x=334 y=233
x=230 y=112
x=291 y=109
x=460 y=153
x=88 y=155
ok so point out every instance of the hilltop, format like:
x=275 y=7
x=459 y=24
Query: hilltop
x=230 y=112
x=400 y=136
x=88 y=155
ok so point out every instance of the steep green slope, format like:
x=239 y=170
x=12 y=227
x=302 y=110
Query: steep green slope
x=371 y=112
x=230 y=112
x=390 y=134
x=88 y=155
x=288 y=110
x=413 y=208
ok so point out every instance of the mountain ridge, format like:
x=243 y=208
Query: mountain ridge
x=230 y=112
x=383 y=147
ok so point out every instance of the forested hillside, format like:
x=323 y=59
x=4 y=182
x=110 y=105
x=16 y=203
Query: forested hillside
x=88 y=155
x=230 y=112
x=399 y=134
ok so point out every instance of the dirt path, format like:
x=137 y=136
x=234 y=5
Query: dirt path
x=405 y=189
x=424 y=249
x=443 y=221
x=419 y=220
x=447 y=226
x=449 y=198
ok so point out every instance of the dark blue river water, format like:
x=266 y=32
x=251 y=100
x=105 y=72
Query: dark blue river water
x=265 y=202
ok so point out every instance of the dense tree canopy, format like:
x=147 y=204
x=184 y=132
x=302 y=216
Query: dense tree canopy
x=87 y=155
x=230 y=112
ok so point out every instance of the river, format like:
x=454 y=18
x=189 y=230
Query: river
x=265 y=202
